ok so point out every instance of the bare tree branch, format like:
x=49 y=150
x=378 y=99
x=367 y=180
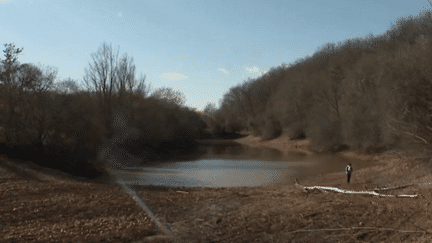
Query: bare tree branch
x=408 y=133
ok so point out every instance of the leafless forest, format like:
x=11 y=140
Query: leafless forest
x=365 y=94
x=62 y=126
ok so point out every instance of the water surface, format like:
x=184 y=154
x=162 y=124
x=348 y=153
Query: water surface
x=232 y=165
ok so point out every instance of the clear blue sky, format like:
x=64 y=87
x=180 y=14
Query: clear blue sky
x=202 y=47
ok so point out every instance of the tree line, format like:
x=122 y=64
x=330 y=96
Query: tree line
x=367 y=94
x=62 y=126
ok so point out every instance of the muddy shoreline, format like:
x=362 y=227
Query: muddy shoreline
x=41 y=207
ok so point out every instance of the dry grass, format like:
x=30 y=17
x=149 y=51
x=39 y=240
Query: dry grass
x=40 y=207
x=44 y=208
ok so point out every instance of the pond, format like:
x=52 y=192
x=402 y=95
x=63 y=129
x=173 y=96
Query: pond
x=231 y=165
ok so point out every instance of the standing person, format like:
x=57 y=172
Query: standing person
x=349 y=169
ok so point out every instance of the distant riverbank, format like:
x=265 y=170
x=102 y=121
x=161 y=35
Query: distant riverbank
x=282 y=143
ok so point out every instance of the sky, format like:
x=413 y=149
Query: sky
x=201 y=48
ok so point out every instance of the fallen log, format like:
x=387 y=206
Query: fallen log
x=392 y=188
x=335 y=189
x=361 y=228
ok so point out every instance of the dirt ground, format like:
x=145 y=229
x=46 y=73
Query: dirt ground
x=46 y=206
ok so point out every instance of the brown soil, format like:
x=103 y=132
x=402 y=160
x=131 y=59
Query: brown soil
x=47 y=206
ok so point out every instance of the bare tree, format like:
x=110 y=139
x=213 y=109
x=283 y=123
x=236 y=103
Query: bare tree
x=127 y=84
x=331 y=91
x=26 y=116
x=169 y=95
x=67 y=86
x=33 y=113
x=9 y=69
x=10 y=64
x=210 y=109
x=101 y=75
x=112 y=79
x=36 y=79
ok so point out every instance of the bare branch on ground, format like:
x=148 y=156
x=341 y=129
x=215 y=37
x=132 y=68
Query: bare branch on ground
x=323 y=188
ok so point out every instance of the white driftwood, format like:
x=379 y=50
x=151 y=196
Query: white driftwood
x=360 y=228
x=392 y=188
x=297 y=183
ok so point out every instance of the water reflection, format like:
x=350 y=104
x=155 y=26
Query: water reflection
x=222 y=173
x=227 y=164
x=218 y=165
